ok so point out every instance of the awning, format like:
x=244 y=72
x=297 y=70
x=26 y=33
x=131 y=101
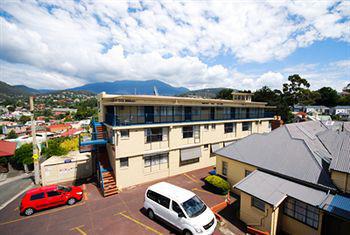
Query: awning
x=338 y=205
x=228 y=142
x=215 y=147
x=190 y=153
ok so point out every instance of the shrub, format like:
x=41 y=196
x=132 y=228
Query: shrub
x=71 y=144
x=218 y=182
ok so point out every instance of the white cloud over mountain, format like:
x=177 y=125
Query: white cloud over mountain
x=65 y=44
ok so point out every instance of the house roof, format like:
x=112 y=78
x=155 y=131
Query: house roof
x=7 y=148
x=288 y=151
x=338 y=205
x=274 y=190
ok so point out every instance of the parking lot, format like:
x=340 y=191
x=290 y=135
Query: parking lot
x=118 y=214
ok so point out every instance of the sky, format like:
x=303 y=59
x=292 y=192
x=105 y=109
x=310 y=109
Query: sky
x=195 y=44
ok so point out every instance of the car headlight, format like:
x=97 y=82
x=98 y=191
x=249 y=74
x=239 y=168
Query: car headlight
x=79 y=193
x=198 y=229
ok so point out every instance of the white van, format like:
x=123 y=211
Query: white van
x=179 y=207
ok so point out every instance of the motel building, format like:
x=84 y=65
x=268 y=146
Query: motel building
x=141 y=138
x=293 y=180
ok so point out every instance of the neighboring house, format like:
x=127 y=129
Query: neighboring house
x=58 y=128
x=152 y=137
x=18 y=129
x=58 y=111
x=294 y=180
x=318 y=109
x=7 y=149
x=342 y=111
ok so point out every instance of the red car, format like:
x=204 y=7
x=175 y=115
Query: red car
x=49 y=196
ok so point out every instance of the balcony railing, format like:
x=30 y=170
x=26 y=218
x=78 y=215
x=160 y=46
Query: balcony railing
x=136 y=119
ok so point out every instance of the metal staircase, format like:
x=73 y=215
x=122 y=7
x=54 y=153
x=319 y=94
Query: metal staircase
x=97 y=146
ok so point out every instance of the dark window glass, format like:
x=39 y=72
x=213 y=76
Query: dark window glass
x=124 y=162
x=228 y=127
x=213 y=126
x=256 y=202
x=187 y=131
x=37 y=196
x=176 y=208
x=160 y=199
x=190 y=161
x=246 y=126
x=124 y=133
x=224 y=168
x=206 y=146
x=154 y=135
x=302 y=212
x=53 y=193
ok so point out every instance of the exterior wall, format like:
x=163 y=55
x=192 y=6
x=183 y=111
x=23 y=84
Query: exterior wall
x=263 y=220
x=341 y=180
x=293 y=226
x=235 y=170
x=65 y=172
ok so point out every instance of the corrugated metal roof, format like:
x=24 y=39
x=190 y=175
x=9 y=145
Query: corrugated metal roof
x=279 y=152
x=274 y=190
x=338 y=205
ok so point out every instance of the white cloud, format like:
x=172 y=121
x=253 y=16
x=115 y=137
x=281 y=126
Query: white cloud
x=90 y=41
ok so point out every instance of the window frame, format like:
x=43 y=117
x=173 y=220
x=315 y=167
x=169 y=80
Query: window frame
x=53 y=191
x=228 y=127
x=249 y=126
x=123 y=137
x=154 y=137
x=157 y=198
x=34 y=199
x=187 y=133
x=255 y=203
x=126 y=159
x=213 y=126
x=160 y=158
x=224 y=168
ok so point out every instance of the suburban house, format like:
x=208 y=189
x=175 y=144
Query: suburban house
x=58 y=128
x=318 y=109
x=145 y=137
x=342 y=111
x=293 y=180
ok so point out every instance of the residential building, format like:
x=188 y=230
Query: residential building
x=342 y=111
x=153 y=137
x=294 y=180
x=58 y=127
x=317 y=109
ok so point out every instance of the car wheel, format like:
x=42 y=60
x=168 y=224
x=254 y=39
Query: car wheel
x=150 y=214
x=187 y=232
x=29 y=211
x=71 y=201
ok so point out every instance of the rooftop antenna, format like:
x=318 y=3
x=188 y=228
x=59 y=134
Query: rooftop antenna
x=155 y=91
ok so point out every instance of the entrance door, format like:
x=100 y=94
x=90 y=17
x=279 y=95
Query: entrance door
x=149 y=114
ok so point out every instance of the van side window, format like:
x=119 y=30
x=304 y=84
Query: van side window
x=160 y=199
x=176 y=208
x=37 y=196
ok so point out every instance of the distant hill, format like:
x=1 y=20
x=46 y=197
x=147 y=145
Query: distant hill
x=204 y=93
x=127 y=87
x=8 y=90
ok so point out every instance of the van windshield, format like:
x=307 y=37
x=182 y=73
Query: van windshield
x=194 y=207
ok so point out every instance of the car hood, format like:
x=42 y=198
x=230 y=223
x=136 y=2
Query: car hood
x=204 y=218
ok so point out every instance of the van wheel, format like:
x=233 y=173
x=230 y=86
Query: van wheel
x=150 y=214
x=71 y=201
x=187 y=232
x=29 y=211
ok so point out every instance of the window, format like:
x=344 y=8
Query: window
x=53 y=193
x=246 y=173
x=154 y=135
x=228 y=127
x=206 y=127
x=213 y=126
x=177 y=208
x=124 y=162
x=302 y=212
x=37 y=196
x=246 y=126
x=187 y=132
x=224 y=168
x=156 y=160
x=124 y=134
x=257 y=203
x=206 y=146
x=160 y=199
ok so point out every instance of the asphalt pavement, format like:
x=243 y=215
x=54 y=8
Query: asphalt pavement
x=11 y=189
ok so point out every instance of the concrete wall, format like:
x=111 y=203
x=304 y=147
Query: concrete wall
x=341 y=180
x=235 y=170
x=263 y=220
x=58 y=171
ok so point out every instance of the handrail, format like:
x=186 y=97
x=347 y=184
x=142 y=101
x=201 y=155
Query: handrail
x=101 y=174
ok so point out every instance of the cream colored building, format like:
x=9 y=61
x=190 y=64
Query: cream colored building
x=153 y=137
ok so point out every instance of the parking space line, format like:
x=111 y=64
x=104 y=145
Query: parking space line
x=42 y=213
x=191 y=178
x=138 y=222
x=79 y=230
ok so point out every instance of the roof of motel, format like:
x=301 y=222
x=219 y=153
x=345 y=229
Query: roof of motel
x=274 y=190
x=292 y=150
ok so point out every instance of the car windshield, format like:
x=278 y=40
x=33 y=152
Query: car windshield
x=194 y=207
x=63 y=188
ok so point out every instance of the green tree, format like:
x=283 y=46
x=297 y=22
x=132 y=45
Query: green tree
x=309 y=97
x=23 y=119
x=328 y=97
x=294 y=90
x=23 y=154
x=344 y=100
x=225 y=94
x=54 y=148
x=11 y=135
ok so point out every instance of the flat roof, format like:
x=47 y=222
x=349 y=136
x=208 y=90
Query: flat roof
x=274 y=190
x=171 y=191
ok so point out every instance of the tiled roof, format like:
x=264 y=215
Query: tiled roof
x=7 y=148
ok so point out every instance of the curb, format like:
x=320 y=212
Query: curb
x=16 y=196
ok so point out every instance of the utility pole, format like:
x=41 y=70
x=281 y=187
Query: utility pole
x=35 y=147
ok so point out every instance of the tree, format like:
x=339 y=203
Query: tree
x=70 y=144
x=328 y=97
x=23 y=154
x=23 y=119
x=295 y=89
x=225 y=94
x=54 y=148
x=309 y=97
x=11 y=135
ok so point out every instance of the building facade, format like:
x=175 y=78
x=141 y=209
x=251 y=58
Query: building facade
x=153 y=137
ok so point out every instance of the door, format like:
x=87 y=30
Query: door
x=177 y=216
x=39 y=201
x=188 y=113
x=149 y=114
x=55 y=198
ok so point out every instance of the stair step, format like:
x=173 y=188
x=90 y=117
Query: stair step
x=110 y=193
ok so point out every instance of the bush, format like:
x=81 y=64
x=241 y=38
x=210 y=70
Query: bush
x=218 y=182
x=71 y=144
